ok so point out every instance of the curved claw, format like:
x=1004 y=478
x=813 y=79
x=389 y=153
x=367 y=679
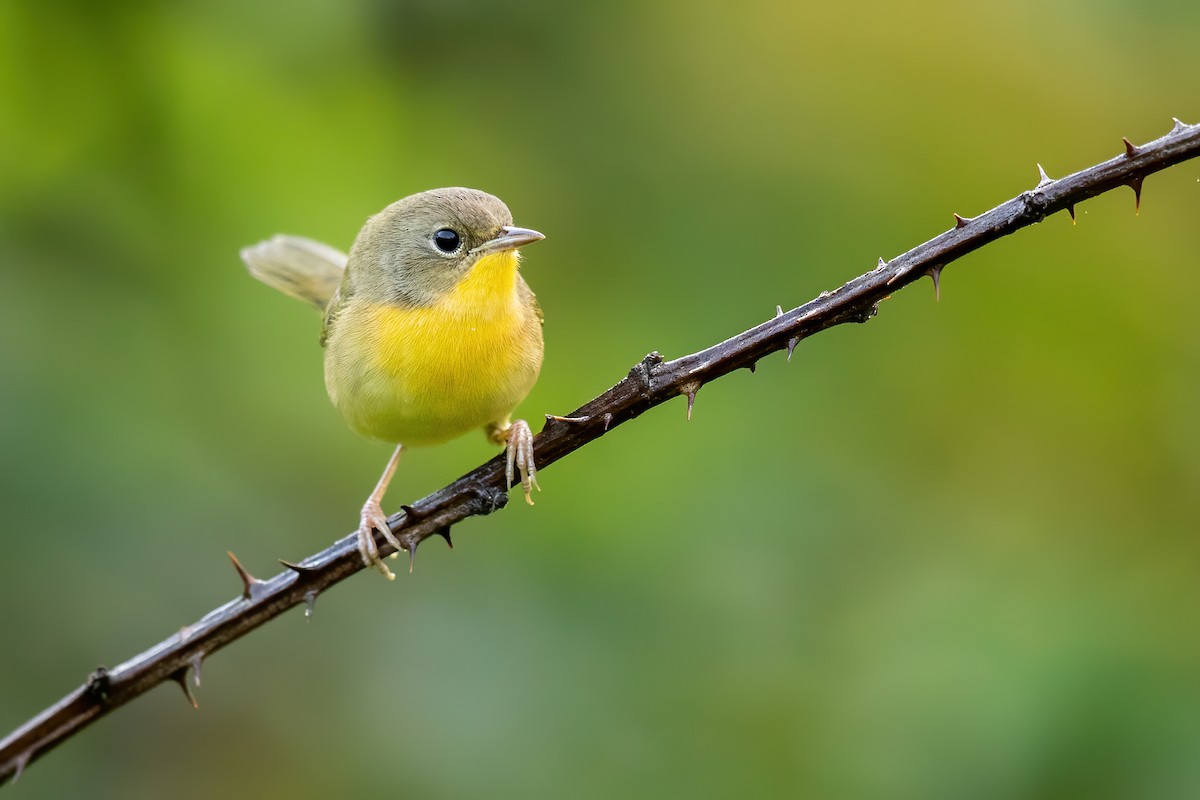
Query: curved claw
x=373 y=517
x=519 y=457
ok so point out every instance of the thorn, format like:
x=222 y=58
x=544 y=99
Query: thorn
x=249 y=582
x=299 y=569
x=180 y=677
x=445 y=534
x=892 y=279
x=792 y=342
x=197 y=660
x=752 y=367
x=1071 y=211
x=690 y=388
x=778 y=311
x=410 y=513
x=1044 y=179
x=608 y=418
x=961 y=222
x=1179 y=125
x=412 y=556
x=19 y=765
x=310 y=603
x=935 y=274
x=1136 y=185
x=1130 y=148
x=882 y=263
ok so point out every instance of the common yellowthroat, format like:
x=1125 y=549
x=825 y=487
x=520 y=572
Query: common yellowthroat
x=430 y=330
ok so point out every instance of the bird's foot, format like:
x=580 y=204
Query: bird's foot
x=373 y=517
x=519 y=458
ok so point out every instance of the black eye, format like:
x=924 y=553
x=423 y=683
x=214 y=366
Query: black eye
x=447 y=240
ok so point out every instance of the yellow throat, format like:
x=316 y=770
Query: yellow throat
x=423 y=375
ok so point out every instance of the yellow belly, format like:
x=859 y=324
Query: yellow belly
x=424 y=375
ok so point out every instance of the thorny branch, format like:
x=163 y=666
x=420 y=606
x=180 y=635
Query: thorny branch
x=652 y=381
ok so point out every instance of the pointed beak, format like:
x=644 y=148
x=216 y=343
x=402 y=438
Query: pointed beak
x=510 y=238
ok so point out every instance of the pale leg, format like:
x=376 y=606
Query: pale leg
x=517 y=439
x=373 y=517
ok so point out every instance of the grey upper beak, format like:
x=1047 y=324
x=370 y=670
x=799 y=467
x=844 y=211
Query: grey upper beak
x=510 y=238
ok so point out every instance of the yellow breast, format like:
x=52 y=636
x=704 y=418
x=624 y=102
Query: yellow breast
x=423 y=375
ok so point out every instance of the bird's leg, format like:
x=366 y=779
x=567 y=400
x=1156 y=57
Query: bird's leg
x=517 y=439
x=373 y=517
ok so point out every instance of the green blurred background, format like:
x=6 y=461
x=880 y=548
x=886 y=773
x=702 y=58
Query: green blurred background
x=951 y=553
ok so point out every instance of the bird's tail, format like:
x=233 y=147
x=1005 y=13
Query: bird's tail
x=307 y=270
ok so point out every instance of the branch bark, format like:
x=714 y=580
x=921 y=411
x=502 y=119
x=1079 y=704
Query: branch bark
x=651 y=381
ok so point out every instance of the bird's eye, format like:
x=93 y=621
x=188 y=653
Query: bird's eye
x=447 y=240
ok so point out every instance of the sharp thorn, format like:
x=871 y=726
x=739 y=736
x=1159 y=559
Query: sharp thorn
x=1130 y=148
x=445 y=534
x=412 y=556
x=1043 y=178
x=778 y=311
x=960 y=221
x=19 y=765
x=882 y=263
x=180 y=677
x=299 y=569
x=310 y=603
x=752 y=366
x=410 y=513
x=1071 y=211
x=690 y=390
x=1136 y=185
x=791 y=347
x=249 y=583
x=935 y=274
x=1179 y=125
x=197 y=661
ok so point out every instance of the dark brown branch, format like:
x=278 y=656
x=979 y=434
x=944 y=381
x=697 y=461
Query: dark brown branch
x=651 y=382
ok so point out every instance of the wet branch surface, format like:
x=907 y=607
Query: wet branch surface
x=652 y=381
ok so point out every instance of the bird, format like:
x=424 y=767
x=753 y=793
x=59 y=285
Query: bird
x=429 y=330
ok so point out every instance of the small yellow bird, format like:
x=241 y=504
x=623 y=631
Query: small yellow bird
x=430 y=330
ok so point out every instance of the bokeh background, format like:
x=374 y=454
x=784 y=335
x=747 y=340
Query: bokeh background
x=951 y=553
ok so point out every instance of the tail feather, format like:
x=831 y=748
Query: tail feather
x=307 y=270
